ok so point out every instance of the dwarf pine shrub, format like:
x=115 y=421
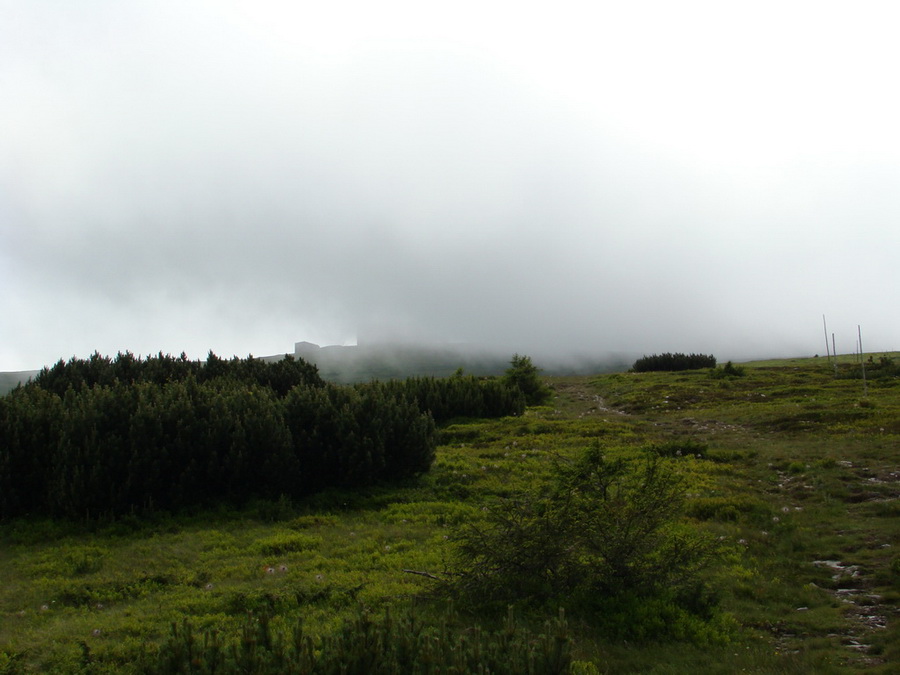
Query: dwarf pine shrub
x=673 y=362
x=524 y=376
x=726 y=371
x=109 y=446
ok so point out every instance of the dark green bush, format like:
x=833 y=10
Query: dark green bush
x=524 y=375
x=349 y=437
x=457 y=396
x=102 y=437
x=884 y=368
x=729 y=509
x=606 y=530
x=728 y=370
x=673 y=362
x=279 y=376
x=109 y=450
x=895 y=566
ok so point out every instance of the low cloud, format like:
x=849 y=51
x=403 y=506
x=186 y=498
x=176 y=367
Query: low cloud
x=190 y=178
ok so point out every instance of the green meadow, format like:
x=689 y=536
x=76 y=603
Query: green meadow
x=792 y=468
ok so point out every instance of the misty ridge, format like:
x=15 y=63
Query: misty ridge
x=397 y=360
x=387 y=359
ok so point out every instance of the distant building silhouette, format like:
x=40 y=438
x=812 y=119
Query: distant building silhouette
x=305 y=349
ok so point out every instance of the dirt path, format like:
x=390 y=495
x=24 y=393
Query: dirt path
x=576 y=397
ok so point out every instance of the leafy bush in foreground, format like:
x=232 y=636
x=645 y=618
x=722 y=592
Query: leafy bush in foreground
x=673 y=362
x=606 y=536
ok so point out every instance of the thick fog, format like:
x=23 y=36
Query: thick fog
x=574 y=178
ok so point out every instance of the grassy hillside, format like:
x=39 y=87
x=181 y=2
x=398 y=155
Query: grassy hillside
x=796 y=472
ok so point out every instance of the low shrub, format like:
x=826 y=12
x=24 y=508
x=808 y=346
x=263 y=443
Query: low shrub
x=523 y=375
x=884 y=368
x=70 y=561
x=10 y=662
x=796 y=467
x=605 y=530
x=726 y=371
x=729 y=509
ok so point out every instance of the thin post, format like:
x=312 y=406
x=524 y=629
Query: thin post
x=834 y=351
x=825 y=326
x=862 y=362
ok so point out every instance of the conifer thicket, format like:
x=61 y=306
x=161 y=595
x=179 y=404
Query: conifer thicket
x=102 y=437
x=279 y=376
x=673 y=362
x=456 y=396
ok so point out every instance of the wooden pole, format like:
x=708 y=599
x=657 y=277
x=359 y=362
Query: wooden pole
x=825 y=326
x=862 y=362
x=834 y=351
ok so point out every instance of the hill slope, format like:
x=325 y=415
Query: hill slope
x=795 y=471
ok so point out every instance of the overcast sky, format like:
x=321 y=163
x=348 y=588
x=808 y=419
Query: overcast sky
x=636 y=177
